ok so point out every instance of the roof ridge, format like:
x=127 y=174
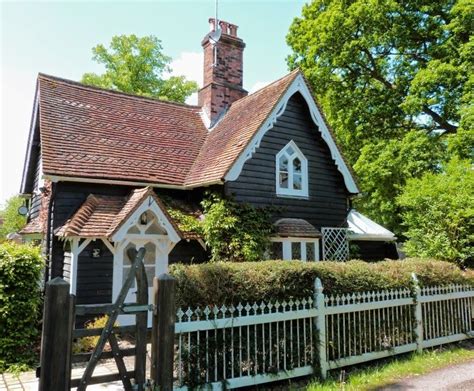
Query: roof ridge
x=78 y=84
x=293 y=74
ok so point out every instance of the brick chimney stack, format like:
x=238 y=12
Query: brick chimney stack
x=223 y=79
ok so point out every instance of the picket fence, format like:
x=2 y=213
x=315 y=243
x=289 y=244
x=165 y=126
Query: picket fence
x=235 y=346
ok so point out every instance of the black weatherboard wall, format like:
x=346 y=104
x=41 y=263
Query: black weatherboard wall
x=326 y=205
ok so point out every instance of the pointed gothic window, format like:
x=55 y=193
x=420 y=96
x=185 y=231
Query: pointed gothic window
x=291 y=171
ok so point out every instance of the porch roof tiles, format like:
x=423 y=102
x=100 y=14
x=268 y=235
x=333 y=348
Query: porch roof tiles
x=299 y=228
x=101 y=216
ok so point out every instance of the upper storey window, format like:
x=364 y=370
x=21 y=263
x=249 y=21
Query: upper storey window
x=291 y=171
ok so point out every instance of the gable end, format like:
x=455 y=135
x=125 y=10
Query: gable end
x=298 y=85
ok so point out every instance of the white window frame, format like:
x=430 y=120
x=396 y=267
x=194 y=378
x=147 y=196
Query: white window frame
x=287 y=244
x=290 y=192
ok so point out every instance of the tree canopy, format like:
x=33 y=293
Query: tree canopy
x=12 y=220
x=137 y=66
x=395 y=81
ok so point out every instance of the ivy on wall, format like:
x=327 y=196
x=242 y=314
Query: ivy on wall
x=233 y=231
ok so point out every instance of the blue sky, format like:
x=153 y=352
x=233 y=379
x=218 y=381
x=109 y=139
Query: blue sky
x=56 y=38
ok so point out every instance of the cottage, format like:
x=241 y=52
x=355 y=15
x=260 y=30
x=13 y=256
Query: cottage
x=102 y=168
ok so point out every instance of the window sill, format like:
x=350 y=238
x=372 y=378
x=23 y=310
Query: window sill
x=296 y=197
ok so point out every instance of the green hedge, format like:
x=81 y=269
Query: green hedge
x=230 y=283
x=20 y=298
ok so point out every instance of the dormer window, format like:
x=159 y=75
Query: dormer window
x=291 y=172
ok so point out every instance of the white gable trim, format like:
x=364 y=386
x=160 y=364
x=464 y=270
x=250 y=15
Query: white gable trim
x=298 y=85
x=31 y=136
x=147 y=204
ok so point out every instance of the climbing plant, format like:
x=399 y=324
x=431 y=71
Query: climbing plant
x=232 y=231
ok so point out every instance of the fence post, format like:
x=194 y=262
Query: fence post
x=418 y=315
x=162 y=334
x=56 y=337
x=321 y=326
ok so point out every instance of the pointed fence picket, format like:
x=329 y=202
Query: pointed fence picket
x=253 y=343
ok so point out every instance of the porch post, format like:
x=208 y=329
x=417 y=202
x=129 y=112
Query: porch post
x=76 y=249
x=74 y=261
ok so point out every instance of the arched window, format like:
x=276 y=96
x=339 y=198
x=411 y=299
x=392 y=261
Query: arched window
x=291 y=171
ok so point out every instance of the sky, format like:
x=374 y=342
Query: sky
x=56 y=38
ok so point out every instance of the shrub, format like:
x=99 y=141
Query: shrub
x=231 y=283
x=20 y=298
x=438 y=213
x=87 y=344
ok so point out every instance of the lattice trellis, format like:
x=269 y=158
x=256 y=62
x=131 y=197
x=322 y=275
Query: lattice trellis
x=335 y=244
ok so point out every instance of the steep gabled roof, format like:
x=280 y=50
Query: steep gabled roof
x=234 y=131
x=94 y=133
x=88 y=133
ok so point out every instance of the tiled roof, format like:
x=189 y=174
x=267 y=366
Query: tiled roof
x=234 y=131
x=89 y=132
x=35 y=226
x=38 y=225
x=102 y=216
x=95 y=133
x=296 y=228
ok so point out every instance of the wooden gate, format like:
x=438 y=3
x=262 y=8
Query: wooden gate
x=109 y=332
x=60 y=313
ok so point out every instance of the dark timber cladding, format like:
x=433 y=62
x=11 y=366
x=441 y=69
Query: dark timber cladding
x=327 y=201
x=68 y=197
x=94 y=275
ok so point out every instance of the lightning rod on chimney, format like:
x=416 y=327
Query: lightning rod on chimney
x=215 y=35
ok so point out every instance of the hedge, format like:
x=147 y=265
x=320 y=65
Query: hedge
x=20 y=298
x=231 y=283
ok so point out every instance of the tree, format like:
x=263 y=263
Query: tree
x=137 y=66
x=438 y=212
x=12 y=221
x=384 y=69
x=390 y=164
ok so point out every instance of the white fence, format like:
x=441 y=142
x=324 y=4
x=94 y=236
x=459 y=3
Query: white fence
x=229 y=347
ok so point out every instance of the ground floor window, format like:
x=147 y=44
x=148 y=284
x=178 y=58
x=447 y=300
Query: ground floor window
x=294 y=248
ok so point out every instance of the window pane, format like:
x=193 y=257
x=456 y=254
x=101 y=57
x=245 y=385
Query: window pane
x=297 y=165
x=150 y=273
x=276 y=250
x=283 y=163
x=296 y=250
x=290 y=151
x=310 y=255
x=284 y=180
x=149 y=254
x=297 y=183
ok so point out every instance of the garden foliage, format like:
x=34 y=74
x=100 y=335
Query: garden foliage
x=20 y=272
x=231 y=283
x=396 y=83
x=232 y=231
x=438 y=211
x=12 y=220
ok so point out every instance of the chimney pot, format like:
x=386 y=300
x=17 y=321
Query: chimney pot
x=233 y=30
